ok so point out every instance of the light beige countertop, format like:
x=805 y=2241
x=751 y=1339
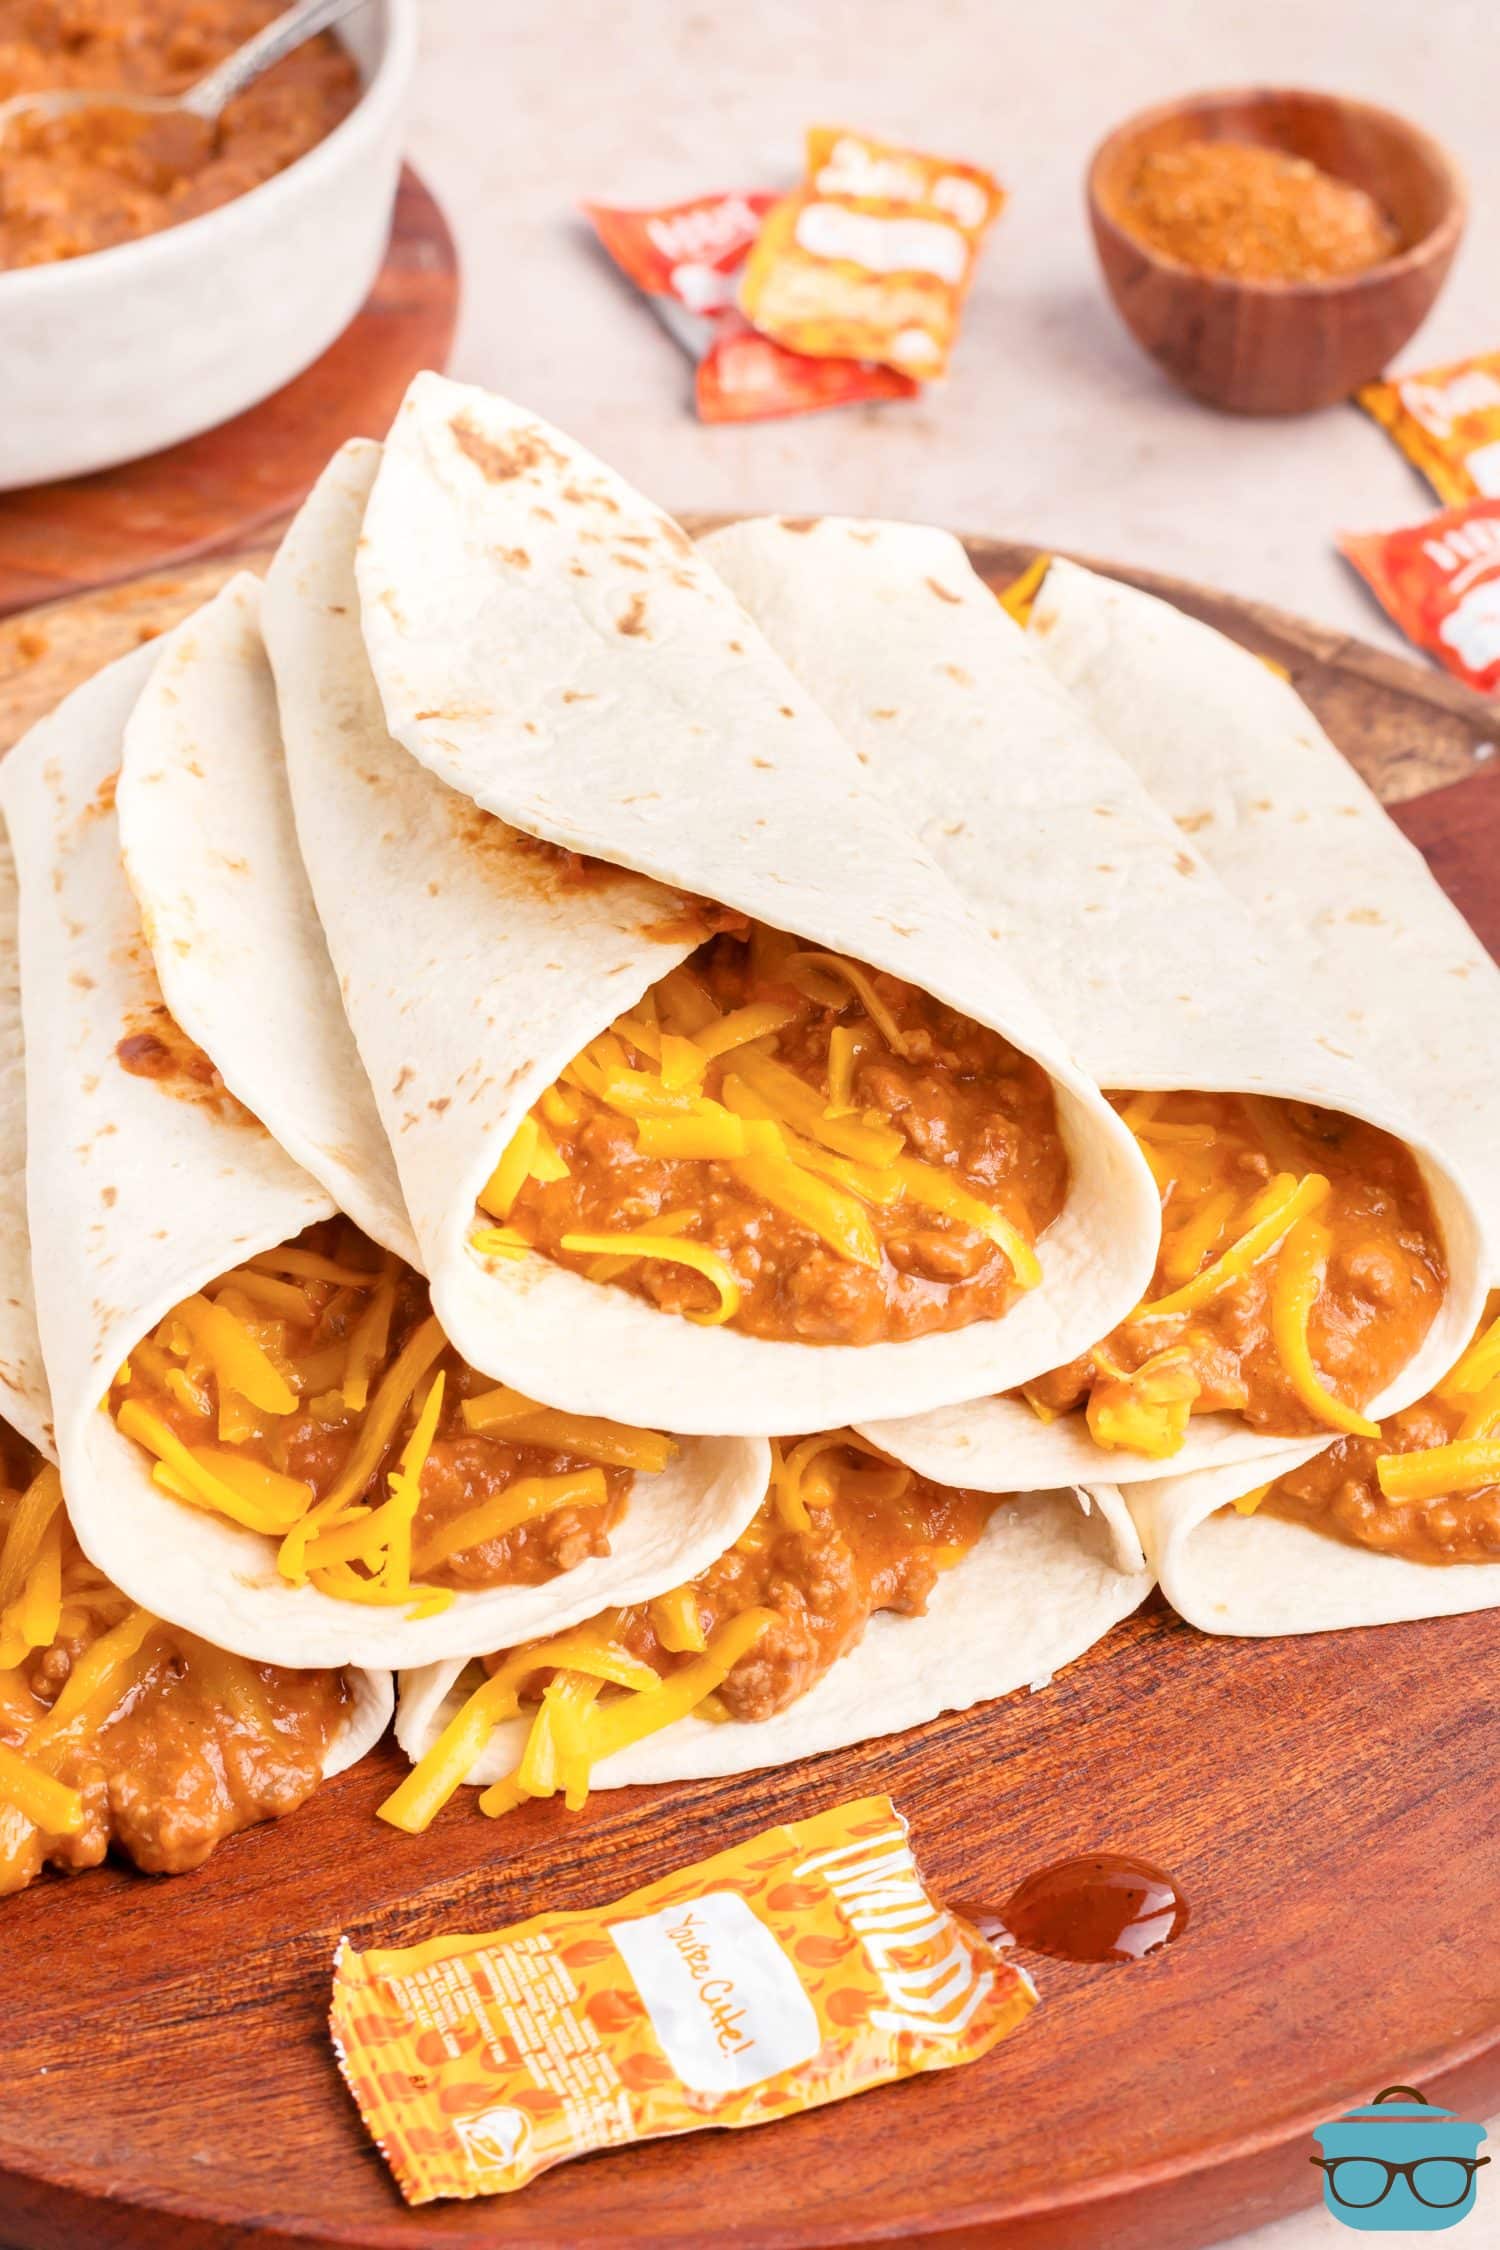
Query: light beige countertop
x=1053 y=427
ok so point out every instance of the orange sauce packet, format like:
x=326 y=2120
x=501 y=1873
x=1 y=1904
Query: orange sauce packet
x=1440 y=582
x=686 y=259
x=1446 y=421
x=801 y=1966
x=872 y=258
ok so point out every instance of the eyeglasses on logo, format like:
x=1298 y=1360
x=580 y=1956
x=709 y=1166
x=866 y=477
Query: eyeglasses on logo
x=1401 y=2163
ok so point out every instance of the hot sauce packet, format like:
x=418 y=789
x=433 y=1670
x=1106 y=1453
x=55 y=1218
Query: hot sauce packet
x=1440 y=581
x=873 y=256
x=1446 y=421
x=688 y=258
x=804 y=1965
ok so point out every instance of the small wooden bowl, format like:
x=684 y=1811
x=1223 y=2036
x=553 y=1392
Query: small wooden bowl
x=1260 y=347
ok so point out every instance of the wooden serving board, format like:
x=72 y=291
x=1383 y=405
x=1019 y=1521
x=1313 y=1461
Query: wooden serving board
x=1328 y=1804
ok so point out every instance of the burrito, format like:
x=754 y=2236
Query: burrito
x=863 y=1599
x=712 y=1104
x=1320 y=1257
x=265 y=1433
x=1404 y=1522
x=115 y=1729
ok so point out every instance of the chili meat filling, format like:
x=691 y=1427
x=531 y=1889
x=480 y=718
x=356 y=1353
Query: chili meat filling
x=73 y=184
x=824 y=1153
x=311 y=1395
x=842 y=1534
x=1427 y=1489
x=117 y=1731
x=1301 y=1266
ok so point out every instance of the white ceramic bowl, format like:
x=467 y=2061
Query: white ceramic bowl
x=107 y=357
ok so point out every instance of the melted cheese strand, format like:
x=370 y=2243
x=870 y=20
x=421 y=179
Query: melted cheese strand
x=643 y=1245
x=1285 y=1202
x=1467 y=1465
x=1294 y=1289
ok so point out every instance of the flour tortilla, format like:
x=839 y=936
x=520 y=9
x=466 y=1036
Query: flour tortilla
x=138 y=1197
x=1155 y=975
x=547 y=643
x=210 y=853
x=24 y=1398
x=1389 y=966
x=1043 y=1585
x=28 y=1407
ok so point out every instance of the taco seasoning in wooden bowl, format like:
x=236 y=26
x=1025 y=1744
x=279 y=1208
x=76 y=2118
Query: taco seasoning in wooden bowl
x=1273 y=249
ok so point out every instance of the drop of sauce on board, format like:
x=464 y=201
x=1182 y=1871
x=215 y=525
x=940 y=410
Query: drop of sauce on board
x=1103 y=1907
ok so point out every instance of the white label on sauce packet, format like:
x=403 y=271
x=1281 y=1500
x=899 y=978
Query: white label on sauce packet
x=724 y=2000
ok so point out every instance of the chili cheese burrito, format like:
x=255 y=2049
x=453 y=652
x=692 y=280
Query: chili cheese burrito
x=265 y=1433
x=639 y=1133
x=114 y=1728
x=863 y=1599
x=1320 y=1258
x=1404 y=1523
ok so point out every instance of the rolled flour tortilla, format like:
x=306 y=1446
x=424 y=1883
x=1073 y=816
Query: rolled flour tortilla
x=210 y=852
x=28 y=1406
x=1386 y=962
x=1156 y=976
x=141 y=1191
x=671 y=743
x=1043 y=1585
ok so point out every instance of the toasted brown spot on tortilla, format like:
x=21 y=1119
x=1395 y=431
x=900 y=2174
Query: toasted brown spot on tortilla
x=800 y=524
x=583 y=496
x=107 y=1197
x=1370 y=915
x=944 y=593
x=405 y=1078
x=887 y=713
x=633 y=621
x=957 y=672
x=737 y=648
x=1185 y=864
x=82 y=979
x=438 y=1105
x=1191 y=822
x=498 y=460
x=631 y=562
x=767 y=765
x=517 y=557
x=543 y=515
x=576 y=569
x=579 y=695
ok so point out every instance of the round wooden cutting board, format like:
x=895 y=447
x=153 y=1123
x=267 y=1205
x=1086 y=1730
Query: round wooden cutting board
x=1328 y=1804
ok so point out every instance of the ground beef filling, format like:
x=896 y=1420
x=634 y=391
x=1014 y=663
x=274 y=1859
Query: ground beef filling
x=199 y=1746
x=957 y=1097
x=69 y=185
x=316 y=1442
x=879 y=1541
x=1338 y=1492
x=1381 y=1288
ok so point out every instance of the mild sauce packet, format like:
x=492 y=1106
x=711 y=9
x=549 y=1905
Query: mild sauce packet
x=801 y=1966
x=1440 y=582
x=687 y=258
x=873 y=256
x=1446 y=421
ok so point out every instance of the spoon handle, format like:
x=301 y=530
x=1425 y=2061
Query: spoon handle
x=218 y=87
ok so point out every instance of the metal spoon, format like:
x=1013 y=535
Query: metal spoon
x=211 y=95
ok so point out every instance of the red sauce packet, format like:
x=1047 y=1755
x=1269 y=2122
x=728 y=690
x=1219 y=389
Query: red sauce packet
x=1440 y=582
x=688 y=259
x=808 y=1963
